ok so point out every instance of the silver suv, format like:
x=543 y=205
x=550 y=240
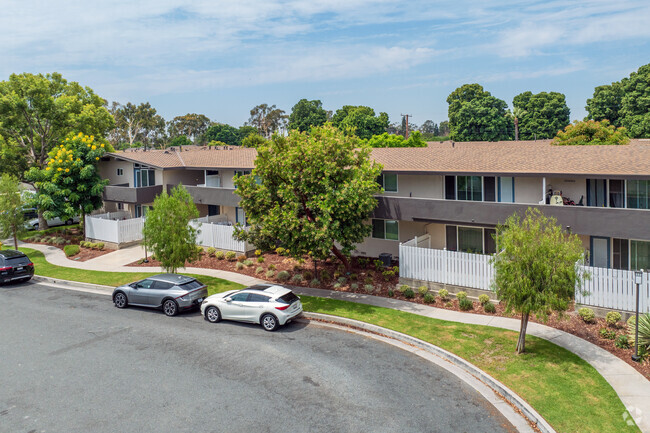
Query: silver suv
x=172 y=292
x=269 y=305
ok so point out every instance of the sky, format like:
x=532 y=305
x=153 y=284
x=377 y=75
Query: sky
x=222 y=58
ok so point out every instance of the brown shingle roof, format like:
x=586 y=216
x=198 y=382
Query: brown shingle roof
x=503 y=157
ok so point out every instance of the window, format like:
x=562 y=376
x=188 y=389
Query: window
x=385 y=229
x=162 y=285
x=489 y=188
x=144 y=176
x=254 y=297
x=213 y=209
x=469 y=188
x=144 y=284
x=507 y=189
x=639 y=255
x=212 y=178
x=620 y=253
x=141 y=211
x=596 y=192
x=471 y=239
x=120 y=206
x=388 y=181
x=120 y=172
x=616 y=193
x=240 y=297
x=638 y=194
x=450 y=187
x=240 y=216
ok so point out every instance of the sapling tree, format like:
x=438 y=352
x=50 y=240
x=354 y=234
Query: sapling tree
x=536 y=267
x=11 y=208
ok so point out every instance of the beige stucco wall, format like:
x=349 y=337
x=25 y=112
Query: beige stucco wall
x=572 y=188
x=528 y=190
x=372 y=247
x=438 y=235
x=420 y=185
x=186 y=177
x=227 y=176
x=108 y=170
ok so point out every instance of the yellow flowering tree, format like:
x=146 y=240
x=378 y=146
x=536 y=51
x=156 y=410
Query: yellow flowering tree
x=70 y=183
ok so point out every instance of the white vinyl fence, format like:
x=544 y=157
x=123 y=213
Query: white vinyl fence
x=607 y=288
x=119 y=215
x=116 y=231
x=218 y=236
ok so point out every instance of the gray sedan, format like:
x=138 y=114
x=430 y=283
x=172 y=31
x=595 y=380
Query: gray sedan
x=172 y=292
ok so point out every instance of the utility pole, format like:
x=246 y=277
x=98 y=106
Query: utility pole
x=406 y=116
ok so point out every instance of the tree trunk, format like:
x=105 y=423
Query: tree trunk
x=516 y=129
x=521 y=343
x=42 y=222
x=83 y=223
x=341 y=257
x=15 y=239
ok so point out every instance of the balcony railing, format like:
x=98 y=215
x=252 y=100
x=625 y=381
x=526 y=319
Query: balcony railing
x=126 y=194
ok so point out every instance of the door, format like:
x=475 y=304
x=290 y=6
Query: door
x=140 y=293
x=236 y=308
x=256 y=304
x=599 y=252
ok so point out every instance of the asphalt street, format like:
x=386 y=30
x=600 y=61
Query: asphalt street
x=72 y=362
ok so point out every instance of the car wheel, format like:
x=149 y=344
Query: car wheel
x=269 y=322
x=35 y=226
x=120 y=300
x=213 y=315
x=68 y=222
x=170 y=307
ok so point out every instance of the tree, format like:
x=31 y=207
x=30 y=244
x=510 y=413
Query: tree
x=606 y=104
x=136 y=123
x=517 y=114
x=13 y=158
x=429 y=127
x=12 y=219
x=167 y=231
x=306 y=114
x=39 y=111
x=360 y=120
x=70 y=185
x=393 y=140
x=475 y=115
x=443 y=128
x=536 y=270
x=311 y=193
x=224 y=133
x=180 y=140
x=267 y=119
x=540 y=115
x=191 y=125
x=253 y=140
x=590 y=132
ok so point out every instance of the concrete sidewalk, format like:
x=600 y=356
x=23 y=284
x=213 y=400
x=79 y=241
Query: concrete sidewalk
x=632 y=387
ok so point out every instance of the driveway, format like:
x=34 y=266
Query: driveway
x=71 y=362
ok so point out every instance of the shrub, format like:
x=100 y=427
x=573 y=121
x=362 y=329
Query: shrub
x=449 y=304
x=279 y=251
x=199 y=250
x=461 y=295
x=325 y=276
x=409 y=293
x=239 y=266
x=483 y=299
x=260 y=259
x=612 y=318
x=297 y=267
x=403 y=288
x=307 y=275
x=68 y=242
x=211 y=251
x=314 y=283
x=153 y=257
x=220 y=255
x=100 y=246
x=391 y=293
x=622 y=342
x=443 y=293
x=354 y=286
x=298 y=278
x=59 y=241
x=607 y=333
x=388 y=275
x=283 y=276
x=396 y=269
x=342 y=280
x=368 y=280
x=301 y=261
x=248 y=262
x=259 y=270
x=241 y=257
x=586 y=314
x=378 y=264
x=337 y=285
x=354 y=276
x=258 y=253
x=272 y=266
x=644 y=330
x=230 y=255
x=369 y=288
x=71 y=250
x=423 y=290
x=270 y=273
x=337 y=274
x=465 y=304
x=363 y=261
x=429 y=298
x=489 y=307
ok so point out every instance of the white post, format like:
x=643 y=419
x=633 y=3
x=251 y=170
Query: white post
x=543 y=190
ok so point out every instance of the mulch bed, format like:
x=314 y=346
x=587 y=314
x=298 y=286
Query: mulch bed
x=86 y=254
x=368 y=273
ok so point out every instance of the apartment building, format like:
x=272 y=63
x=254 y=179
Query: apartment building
x=454 y=194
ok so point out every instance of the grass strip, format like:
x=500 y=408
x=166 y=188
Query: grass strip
x=565 y=389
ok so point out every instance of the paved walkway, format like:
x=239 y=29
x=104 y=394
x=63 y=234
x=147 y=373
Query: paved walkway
x=632 y=387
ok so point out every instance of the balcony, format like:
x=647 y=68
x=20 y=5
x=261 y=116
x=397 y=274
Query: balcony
x=594 y=221
x=211 y=195
x=125 y=194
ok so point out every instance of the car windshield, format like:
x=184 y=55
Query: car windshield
x=288 y=298
x=191 y=285
x=13 y=261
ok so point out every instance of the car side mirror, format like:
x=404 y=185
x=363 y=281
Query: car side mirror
x=228 y=299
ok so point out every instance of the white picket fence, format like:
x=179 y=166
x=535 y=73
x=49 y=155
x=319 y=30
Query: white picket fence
x=218 y=236
x=116 y=231
x=607 y=288
x=446 y=267
x=119 y=215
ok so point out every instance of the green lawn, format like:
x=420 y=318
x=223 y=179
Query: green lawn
x=568 y=392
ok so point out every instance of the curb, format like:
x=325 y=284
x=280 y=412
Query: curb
x=72 y=283
x=496 y=386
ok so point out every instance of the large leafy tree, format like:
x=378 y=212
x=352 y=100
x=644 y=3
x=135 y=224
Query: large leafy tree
x=306 y=114
x=267 y=119
x=430 y=127
x=224 y=133
x=311 y=193
x=394 y=140
x=590 y=132
x=360 y=120
x=167 y=231
x=606 y=104
x=11 y=208
x=191 y=125
x=13 y=158
x=536 y=270
x=476 y=115
x=136 y=123
x=70 y=185
x=540 y=115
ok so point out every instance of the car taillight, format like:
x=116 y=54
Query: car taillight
x=29 y=264
x=6 y=268
x=284 y=307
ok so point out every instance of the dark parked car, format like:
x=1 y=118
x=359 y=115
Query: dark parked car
x=172 y=292
x=15 y=265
